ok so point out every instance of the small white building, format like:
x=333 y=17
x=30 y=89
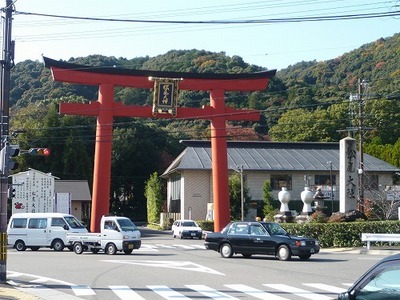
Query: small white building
x=293 y=165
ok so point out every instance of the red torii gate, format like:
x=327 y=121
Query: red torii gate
x=105 y=108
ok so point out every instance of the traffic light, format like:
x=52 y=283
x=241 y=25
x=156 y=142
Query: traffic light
x=39 y=151
x=11 y=192
x=6 y=158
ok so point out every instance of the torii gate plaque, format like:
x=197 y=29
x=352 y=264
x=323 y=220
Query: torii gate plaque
x=105 y=108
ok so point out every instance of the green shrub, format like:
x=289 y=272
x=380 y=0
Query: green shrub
x=344 y=234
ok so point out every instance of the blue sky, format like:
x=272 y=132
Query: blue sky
x=272 y=46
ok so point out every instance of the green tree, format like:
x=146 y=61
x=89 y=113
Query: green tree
x=155 y=198
x=268 y=199
x=235 y=196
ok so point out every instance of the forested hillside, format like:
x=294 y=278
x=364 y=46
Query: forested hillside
x=308 y=101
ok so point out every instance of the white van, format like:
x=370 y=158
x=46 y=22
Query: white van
x=35 y=230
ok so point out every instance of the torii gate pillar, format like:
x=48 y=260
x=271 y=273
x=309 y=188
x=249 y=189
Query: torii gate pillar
x=219 y=150
x=106 y=109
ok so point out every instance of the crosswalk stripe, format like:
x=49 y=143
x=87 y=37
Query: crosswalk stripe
x=199 y=246
x=82 y=290
x=209 y=292
x=298 y=292
x=166 y=292
x=326 y=287
x=184 y=247
x=124 y=292
x=39 y=280
x=256 y=293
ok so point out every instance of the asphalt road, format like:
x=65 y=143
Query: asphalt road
x=167 y=268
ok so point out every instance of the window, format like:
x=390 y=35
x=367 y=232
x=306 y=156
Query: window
x=239 y=229
x=37 y=223
x=280 y=181
x=73 y=223
x=371 y=182
x=110 y=225
x=384 y=284
x=59 y=222
x=257 y=230
x=19 y=223
x=176 y=187
x=325 y=179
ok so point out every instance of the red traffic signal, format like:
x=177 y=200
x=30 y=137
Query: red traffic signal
x=39 y=151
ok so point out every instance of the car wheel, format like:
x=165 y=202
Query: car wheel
x=181 y=235
x=36 y=248
x=58 y=245
x=111 y=249
x=173 y=234
x=78 y=248
x=305 y=256
x=283 y=253
x=20 y=245
x=226 y=250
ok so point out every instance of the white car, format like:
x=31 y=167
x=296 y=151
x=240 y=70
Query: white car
x=186 y=228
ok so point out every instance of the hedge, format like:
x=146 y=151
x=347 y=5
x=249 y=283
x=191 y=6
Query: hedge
x=330 y=235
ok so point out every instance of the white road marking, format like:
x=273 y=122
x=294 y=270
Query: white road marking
x=326 y=287
x=256 y=293
x=125 y=293
x=166 y=292
x=82 y=290
x=181 y=265
x=209 y=292
x=298 y=292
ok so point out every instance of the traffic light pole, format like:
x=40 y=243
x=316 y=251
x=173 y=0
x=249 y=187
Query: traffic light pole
x=6 y=63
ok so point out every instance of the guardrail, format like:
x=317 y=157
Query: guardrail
x=379 y=237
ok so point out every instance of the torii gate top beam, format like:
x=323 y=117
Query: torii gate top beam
x=73 y=73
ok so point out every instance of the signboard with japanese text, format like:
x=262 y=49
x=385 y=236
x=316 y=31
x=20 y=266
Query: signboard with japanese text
x=165 y=96
x=34 y=192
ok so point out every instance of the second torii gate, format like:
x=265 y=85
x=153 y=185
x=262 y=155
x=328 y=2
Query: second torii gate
x=105 y=108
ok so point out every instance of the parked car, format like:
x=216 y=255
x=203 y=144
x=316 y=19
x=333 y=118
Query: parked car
x=381 y=281
x=248 y=238
x=186 y=228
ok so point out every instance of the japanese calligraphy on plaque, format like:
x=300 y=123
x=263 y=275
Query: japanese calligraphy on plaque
x=165 y=96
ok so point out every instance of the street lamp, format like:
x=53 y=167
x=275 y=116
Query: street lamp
x=241 y=193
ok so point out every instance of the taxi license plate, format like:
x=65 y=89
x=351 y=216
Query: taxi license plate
x=312 y=250
x=193 y=233
x=130 y=246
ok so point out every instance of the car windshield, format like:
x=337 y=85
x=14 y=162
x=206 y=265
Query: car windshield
x=189 y=224
x=73 y=223
x=126 y=225
x=274 y=229
x=386 y=284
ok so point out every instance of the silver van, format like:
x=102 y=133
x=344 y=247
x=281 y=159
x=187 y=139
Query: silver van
x=36 y=230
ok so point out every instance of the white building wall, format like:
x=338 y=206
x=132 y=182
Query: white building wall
x=196 y=189
x=196 y=194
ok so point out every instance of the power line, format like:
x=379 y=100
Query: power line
x=225 y=22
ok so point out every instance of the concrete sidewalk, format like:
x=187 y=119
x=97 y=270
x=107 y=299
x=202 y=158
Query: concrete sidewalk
x=9 y=291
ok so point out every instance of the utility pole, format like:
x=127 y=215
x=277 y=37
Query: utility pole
x=360 y=148
x=6 y=63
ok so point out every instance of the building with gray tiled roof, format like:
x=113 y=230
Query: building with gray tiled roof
x=293 y=165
